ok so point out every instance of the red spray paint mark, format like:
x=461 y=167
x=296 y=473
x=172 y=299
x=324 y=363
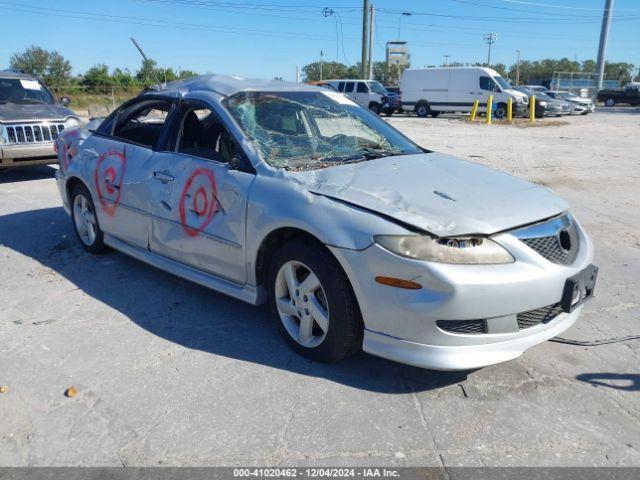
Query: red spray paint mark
x=108 y=178
x=66 y=146
x=199 y=199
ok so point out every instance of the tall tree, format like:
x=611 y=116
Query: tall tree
x=48 y=65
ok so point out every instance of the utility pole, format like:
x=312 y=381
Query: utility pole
x=297 y=74
x=372 y=13
x=490 y=38
x=446 y=59
x=604 y=34
x=144 y=57
x=321 y=54
x=365 y=38
x=517 y=67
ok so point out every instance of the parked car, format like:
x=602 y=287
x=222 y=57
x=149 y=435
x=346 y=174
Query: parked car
x=394 y=101
x=535 y=88
x=431 y=91
x=630 y=94
x=581 y=106
x=293 y=195
x=545 y=105
x=368 y=93
x=30 y=120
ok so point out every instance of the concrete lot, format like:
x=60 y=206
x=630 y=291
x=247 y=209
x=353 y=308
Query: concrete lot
x=169 y=373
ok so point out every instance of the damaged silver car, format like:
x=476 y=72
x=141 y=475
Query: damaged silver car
x=358 y=238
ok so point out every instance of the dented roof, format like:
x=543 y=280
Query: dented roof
x=228 y=85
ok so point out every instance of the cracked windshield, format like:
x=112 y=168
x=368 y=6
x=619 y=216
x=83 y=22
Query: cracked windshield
x=309 y=130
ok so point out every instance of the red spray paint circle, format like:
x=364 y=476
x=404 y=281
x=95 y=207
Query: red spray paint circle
x=66 y=146
x=108 y=178
x=198 y=202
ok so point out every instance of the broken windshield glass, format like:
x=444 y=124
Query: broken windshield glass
x=308 y=130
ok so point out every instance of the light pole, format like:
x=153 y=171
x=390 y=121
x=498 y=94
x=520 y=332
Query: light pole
x=403 y=14
x=321 y=54
x=490 y=38
x=602 y=47
x=365 y=39
x=446 y=60
x=517 y=67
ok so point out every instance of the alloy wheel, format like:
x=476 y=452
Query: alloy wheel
x=302 y=304
x=84 y=219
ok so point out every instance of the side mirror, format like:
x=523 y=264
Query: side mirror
x=65 y=101
x=237 y=162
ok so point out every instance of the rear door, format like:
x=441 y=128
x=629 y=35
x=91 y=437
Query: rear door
x=119 y=158
x=350 y=90
x=200 y=186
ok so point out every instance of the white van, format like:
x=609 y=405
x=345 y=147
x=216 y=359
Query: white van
x=430 y=91
x=368 y=93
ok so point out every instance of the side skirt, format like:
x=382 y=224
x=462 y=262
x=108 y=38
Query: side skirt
x=246 y=293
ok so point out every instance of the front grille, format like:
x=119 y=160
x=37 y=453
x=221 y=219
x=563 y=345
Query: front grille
x=557 y=240
x=539 y=315
x=462 y=326
x=33 y=133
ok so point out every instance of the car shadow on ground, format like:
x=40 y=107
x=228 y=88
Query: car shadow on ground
x=24 y=174
x=192 y=316
x=629 y=382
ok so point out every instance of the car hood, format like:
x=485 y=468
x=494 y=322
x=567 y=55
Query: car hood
x=436 y=193
x=29 y=112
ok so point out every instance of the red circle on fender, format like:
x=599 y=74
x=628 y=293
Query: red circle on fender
x=110 y=165
x=203 y=203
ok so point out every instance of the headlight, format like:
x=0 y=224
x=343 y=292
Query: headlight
x=71 y=122
x=3 y=136
x=468 y=250
x=543 y=104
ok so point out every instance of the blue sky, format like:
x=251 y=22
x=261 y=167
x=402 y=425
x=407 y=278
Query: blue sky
x=267 y=38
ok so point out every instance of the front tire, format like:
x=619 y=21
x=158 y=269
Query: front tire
x=501 y=111
x=313 y=303
x=85 y=221
x=610 y=102
x=423 y=109
x=375 y=108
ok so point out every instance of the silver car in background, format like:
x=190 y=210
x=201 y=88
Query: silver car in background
x=581 y=106
x=356 y=237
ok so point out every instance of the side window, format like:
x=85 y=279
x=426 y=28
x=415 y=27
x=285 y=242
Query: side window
x=486 y=83
x=142 y=122
x=341 y=87
x=349 y=87
x=201 y=134
x=362 y=87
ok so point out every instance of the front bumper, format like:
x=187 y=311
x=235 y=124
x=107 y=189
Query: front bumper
x=402 y=324
x=27 y=154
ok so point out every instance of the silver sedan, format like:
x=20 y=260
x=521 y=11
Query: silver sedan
x=356 y=237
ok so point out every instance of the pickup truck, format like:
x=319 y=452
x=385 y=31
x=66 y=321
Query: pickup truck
x=629 y=94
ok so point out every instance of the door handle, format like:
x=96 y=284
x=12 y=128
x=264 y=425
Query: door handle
x=163 y=176
x=109 y=183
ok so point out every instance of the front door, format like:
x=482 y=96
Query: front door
x=198 y=201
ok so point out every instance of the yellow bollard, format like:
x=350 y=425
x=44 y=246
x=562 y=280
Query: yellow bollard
x=510 y=110
x=489 y=108
x=474 y=110
x=532 y=108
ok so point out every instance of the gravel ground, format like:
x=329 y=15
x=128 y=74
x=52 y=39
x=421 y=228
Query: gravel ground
x=169 y=373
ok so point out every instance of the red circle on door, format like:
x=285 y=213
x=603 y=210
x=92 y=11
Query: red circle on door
x=198 y=202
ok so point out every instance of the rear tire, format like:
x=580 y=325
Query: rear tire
x=85 y=221
x=610 y=102
x=313 y=302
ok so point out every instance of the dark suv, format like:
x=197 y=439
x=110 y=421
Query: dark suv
x=30 y=120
